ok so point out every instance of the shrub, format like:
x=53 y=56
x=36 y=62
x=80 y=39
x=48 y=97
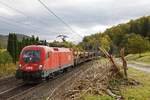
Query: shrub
x=5 y=58
x=6 y=65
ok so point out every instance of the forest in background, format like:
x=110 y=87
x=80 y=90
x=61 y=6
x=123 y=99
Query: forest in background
x=134 y=36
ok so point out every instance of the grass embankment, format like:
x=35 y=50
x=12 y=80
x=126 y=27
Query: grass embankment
x=138 y=87
x=139 y=92
x=7 y=70
x=94 y=97
x=144 y=58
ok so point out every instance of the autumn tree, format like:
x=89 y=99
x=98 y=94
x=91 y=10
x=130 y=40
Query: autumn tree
x=136 y=44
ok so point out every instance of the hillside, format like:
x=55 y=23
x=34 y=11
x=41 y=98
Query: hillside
x=138 y=26
x=3 y=39
x=132 y=35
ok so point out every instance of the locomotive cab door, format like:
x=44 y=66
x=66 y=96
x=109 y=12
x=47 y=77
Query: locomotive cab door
x=47 y=60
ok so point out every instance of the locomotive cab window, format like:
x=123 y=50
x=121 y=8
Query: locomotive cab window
x=31 y=56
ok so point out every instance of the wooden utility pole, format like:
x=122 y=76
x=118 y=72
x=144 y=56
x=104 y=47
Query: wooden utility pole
x=124 y=62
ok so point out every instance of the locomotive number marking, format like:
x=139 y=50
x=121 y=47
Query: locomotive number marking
x=28 y=68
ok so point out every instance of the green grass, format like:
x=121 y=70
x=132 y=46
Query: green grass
x=96 y=97
x=129 y=92
x=140 y=92
x=145 y=57
x=2 y=50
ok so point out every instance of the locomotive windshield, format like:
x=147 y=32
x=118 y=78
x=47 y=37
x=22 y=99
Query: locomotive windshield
x=31 y=56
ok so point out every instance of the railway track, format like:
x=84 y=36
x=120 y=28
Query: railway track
x=6 y=80
x=21 y=89
x=8 y=83
x=54 y=91
x=43 y=90
x=39 y=91
x=12 y=91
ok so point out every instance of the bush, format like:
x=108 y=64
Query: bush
x=6 y=65
x=5 y=58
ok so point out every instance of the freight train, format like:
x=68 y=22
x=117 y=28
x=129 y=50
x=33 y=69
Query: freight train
x=38 y=62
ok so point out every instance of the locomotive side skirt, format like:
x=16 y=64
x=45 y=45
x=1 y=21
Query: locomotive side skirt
x=41 y=74
x=46 y=73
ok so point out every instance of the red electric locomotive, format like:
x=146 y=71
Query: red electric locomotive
x=39 y=62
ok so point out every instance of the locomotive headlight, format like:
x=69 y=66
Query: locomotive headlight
x=40 y=67
x=19 y=66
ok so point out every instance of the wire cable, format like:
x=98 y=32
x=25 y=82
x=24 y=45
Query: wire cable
x=60 y=19
x=18 y=23
x=24 y=26
x=22 y=13
x=28 y=17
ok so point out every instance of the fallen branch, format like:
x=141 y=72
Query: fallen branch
x=109 y=92
x=115 y=69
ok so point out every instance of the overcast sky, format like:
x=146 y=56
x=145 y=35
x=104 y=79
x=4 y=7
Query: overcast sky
x=84 y=16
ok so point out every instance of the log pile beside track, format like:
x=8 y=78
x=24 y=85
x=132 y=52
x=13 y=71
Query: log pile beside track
x=92 y=81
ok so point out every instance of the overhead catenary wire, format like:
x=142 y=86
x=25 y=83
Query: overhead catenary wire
x=21 y=12
x=60 y=19
x=5 y=20
x=18 y=23
x=28 y=17
x=16 y=10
